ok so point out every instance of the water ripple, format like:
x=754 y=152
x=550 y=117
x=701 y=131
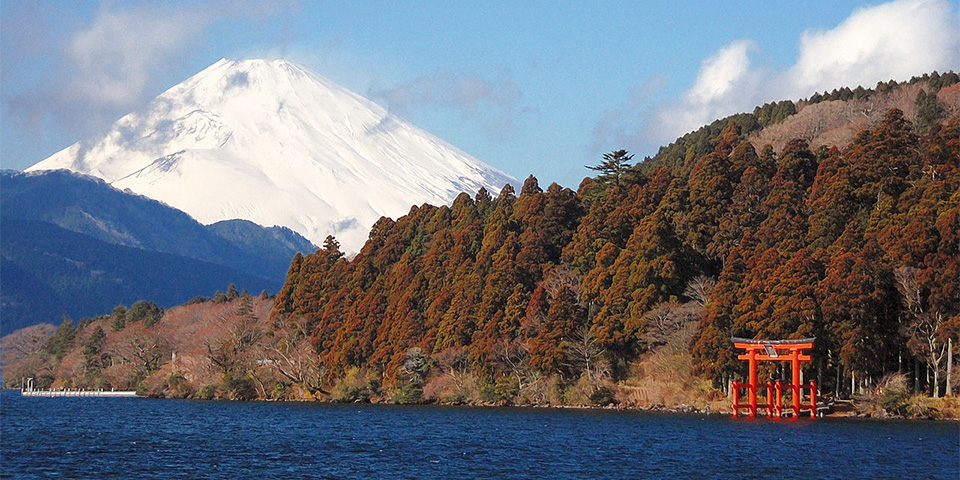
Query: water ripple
x=141 y=438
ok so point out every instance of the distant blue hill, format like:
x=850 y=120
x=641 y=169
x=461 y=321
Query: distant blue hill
x=71 y=244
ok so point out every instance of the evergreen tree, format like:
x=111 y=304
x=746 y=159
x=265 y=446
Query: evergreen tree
x=928 y=111
x=94 y=357
x=232 y=293
x=148 y=312
x=332 y=247
x=614 y=167
x=62 y=340
x=118 y=319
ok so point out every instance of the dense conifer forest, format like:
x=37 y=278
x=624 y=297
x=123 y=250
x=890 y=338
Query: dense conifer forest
x=550 y=295
x=857 y=248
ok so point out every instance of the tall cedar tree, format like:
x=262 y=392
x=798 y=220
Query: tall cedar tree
x=801 y=244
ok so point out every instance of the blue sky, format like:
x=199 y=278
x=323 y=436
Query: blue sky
x=528 y=87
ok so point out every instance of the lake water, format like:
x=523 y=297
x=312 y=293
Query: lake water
x=143 y=438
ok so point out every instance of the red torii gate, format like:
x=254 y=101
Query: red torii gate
x=778 y=351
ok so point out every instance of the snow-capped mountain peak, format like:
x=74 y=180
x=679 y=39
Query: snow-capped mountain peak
x=274 y=143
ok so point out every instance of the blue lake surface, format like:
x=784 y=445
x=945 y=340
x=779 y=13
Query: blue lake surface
x=144 y=438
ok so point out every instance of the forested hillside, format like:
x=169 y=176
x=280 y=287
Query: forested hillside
x=50 y=272
x=89 y=206
x=857 y=247
x=626 y=291
x=73 y=245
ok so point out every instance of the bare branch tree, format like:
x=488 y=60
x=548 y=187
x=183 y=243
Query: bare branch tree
x=454 y=363
x=666 y=320
x=25 y=342
x=561 y=277
x=699 y=289
x=243 y=330
x=145 y=351
x=925 y=339
x=289 y=352
x=924 y=332
x=909 y=288
x=584 y=354
x=513 y=357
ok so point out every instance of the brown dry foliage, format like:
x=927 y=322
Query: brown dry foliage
x=663 y=378
x=23 y=343
x=837 y=123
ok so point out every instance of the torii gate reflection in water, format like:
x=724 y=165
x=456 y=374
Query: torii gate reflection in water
x=792 y=351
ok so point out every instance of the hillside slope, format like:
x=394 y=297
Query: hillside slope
x=49 y=272
x=88 y=205
x=837 y=122
x=788 y=245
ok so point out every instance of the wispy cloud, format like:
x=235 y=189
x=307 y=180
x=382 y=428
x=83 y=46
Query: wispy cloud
x=896 y=40
x=111 y=65
x=113 y=58
x=615 y=128
x=494 y=103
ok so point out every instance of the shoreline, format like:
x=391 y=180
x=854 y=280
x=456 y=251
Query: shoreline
x=656 y=409
x=675 y=410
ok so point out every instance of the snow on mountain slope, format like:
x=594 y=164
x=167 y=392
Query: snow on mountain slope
x=276 y=144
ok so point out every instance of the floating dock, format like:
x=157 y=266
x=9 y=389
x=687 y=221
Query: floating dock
x=77 y=393
x=27 y=389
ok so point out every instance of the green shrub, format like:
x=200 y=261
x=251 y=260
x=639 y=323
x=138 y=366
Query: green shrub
x=408 y=394
x=602 y=396
x=502 y=390
x=506 y=388
x=354 y=387
x=895 y=395
x=179 y=387
x=206 y=392
x=238 y=386
x=279 y=391
x=487 y=393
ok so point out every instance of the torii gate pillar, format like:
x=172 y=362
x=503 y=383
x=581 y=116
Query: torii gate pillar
x=775 y=350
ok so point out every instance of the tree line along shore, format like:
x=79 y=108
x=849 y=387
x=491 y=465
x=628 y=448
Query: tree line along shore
x=625 y=292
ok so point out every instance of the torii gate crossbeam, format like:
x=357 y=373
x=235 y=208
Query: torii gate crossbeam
x=792 y=351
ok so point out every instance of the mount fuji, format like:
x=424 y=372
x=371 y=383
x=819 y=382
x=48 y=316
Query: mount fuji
x=276 y=144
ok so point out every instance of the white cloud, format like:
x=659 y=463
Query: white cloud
x=892 y=41
x=725 y=82
x=721 y=74
x=613 y=130
x=895 y=41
